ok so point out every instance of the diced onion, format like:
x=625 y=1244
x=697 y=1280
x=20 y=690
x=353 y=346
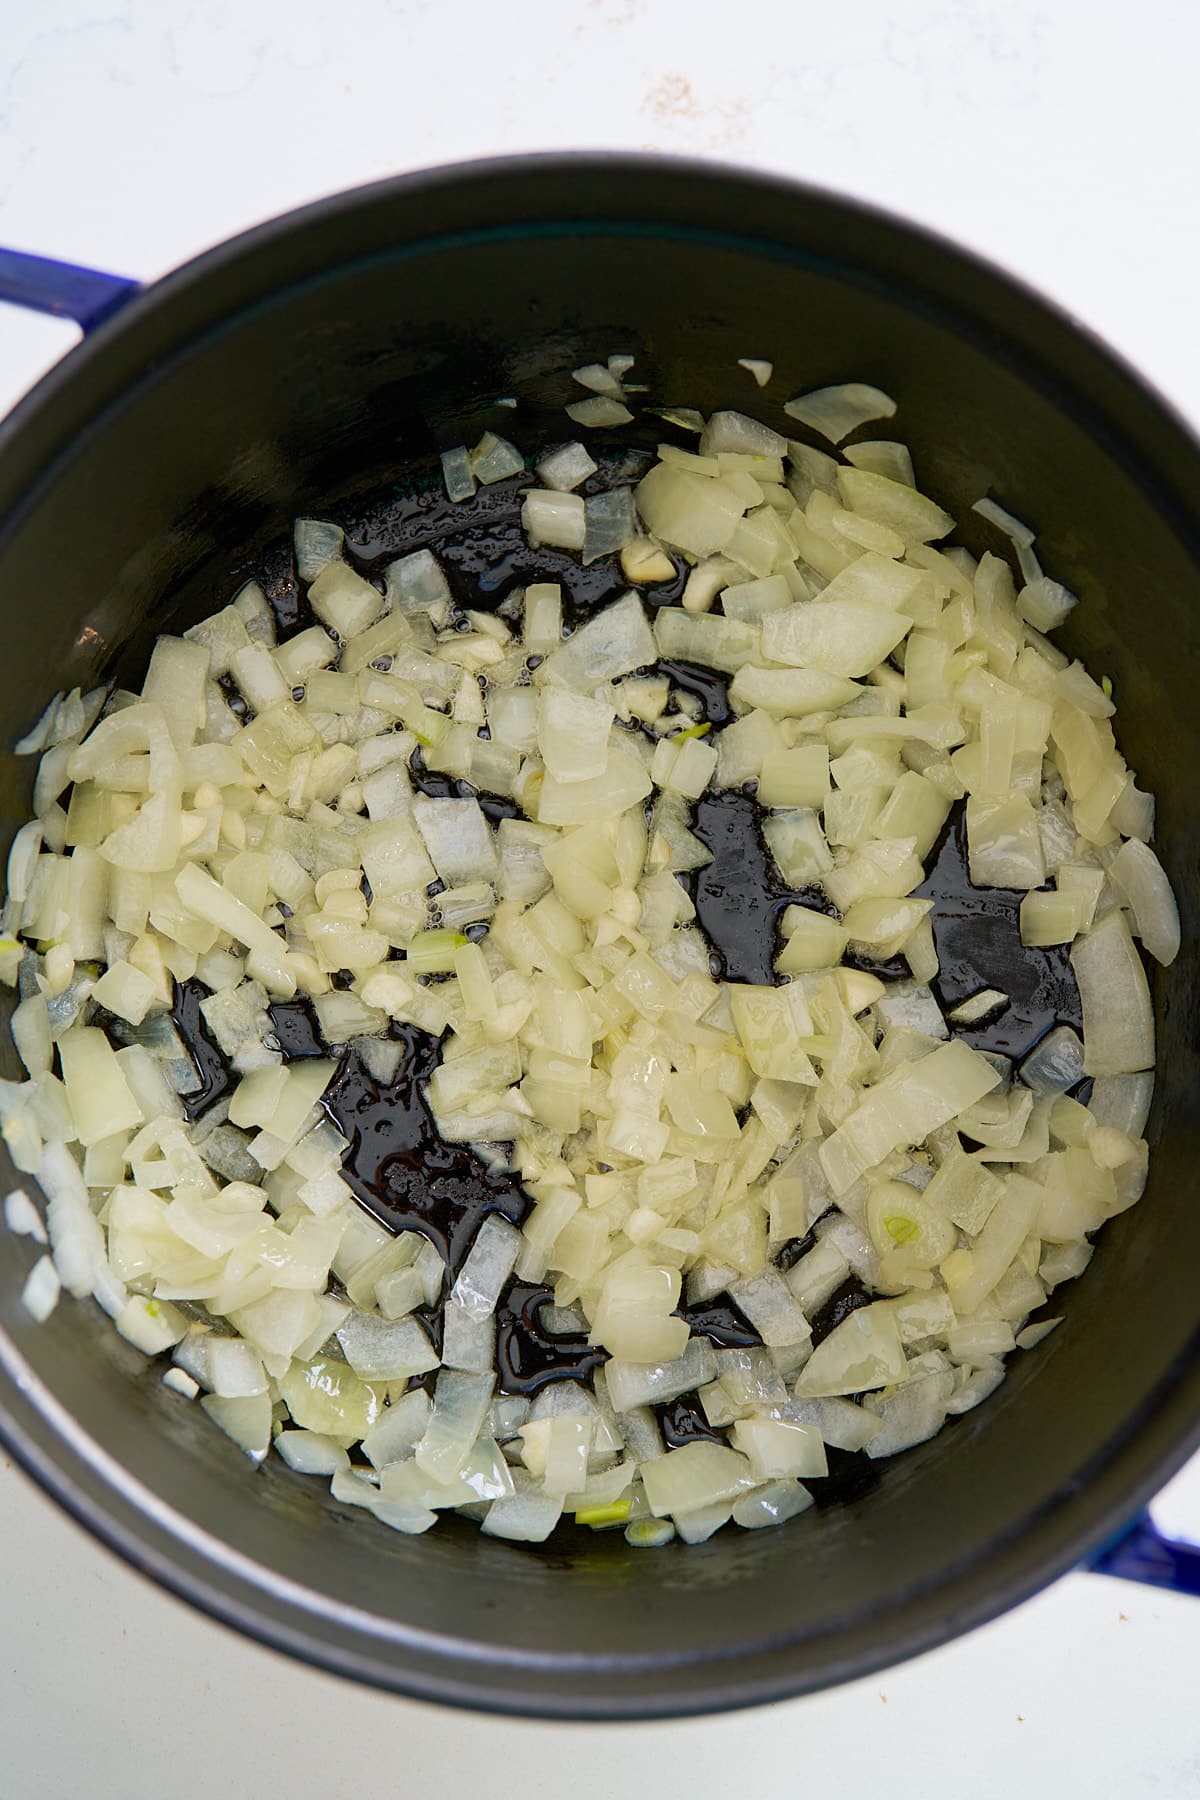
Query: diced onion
x=39 y=1296
x=315 y=819
x=1118 y=1018
x=835 y=412
x=458 y=474
x=1139 y=878
x=599 y=413
x=565 y=469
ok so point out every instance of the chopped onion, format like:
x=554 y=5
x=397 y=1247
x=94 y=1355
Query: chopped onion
x=650 y=1384
x=673 y=1131
x=841 y=638
x=767 y=1302
x=399 y=1431
x=458 y=474
x=565 y=469
x=911 y=1415
x=835 y=412
x=459 y=1406
x=39 y=1296
x=842 y=1424
x=693 y=512
x=495 y=459
x=895 y=504
x=527 y=1517
x=317 y=542
x=1055 y=1065
x=1140 y=880
x=698 y=1475
x=599 y=413
x=1123 y=1101
x=983 y=1005
x=734 y=433
x=492 y=1259
x=599 y=379
x=861 y=1353
x=1012 y=527
x=548 y=517
x=1118 y=1018
x=247 y=1422
x=22 y=1216
x=309 y=1453
x=610 y=524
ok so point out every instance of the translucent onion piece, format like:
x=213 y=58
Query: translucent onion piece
x=599 y=413
x=1140 y=880
x=565 y=469
x=1118 y=1017
x=457 y=474
x=835 y=412
x=39 y=1296
x=676 y=1135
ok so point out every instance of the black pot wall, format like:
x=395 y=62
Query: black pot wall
x=326 y=359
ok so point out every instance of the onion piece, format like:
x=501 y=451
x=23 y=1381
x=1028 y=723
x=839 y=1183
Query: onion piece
x=565 y=469
x=842 y=638
x=600 y=413
x=22 y=1217
x=1012 y=527
x=882 y=457
x=685 y=417
x=548 y=517
x=247 y=1422
x=861 y=1353
x=1118 y=1016
x=495 y=459
x=488 y=1265
x=399 y=1431
x=527 y=1517
x=1123 y=1101
x=835 y=412
x=309 y=1453
x=698 y=1475
x=573 y=734
x=911 y=1415
x=39 y=1296
x=1141 y=882
x=610 y=524
x=735 y=433
x=460 y=1403
x=599 y=379
x=316 y=542
x=767 y=1302
x=693 y=512
x=458 y=474
x=894 y=504
x=651 y=1384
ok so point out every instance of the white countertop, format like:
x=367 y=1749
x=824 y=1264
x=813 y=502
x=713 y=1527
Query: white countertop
x=1057 y=136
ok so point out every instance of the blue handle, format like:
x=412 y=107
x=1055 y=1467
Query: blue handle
x=86 y=295
x=1142 y=1553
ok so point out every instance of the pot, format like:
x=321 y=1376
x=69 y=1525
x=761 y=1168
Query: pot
x=325 y=358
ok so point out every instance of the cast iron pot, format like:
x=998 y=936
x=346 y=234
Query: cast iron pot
x=330 y=355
